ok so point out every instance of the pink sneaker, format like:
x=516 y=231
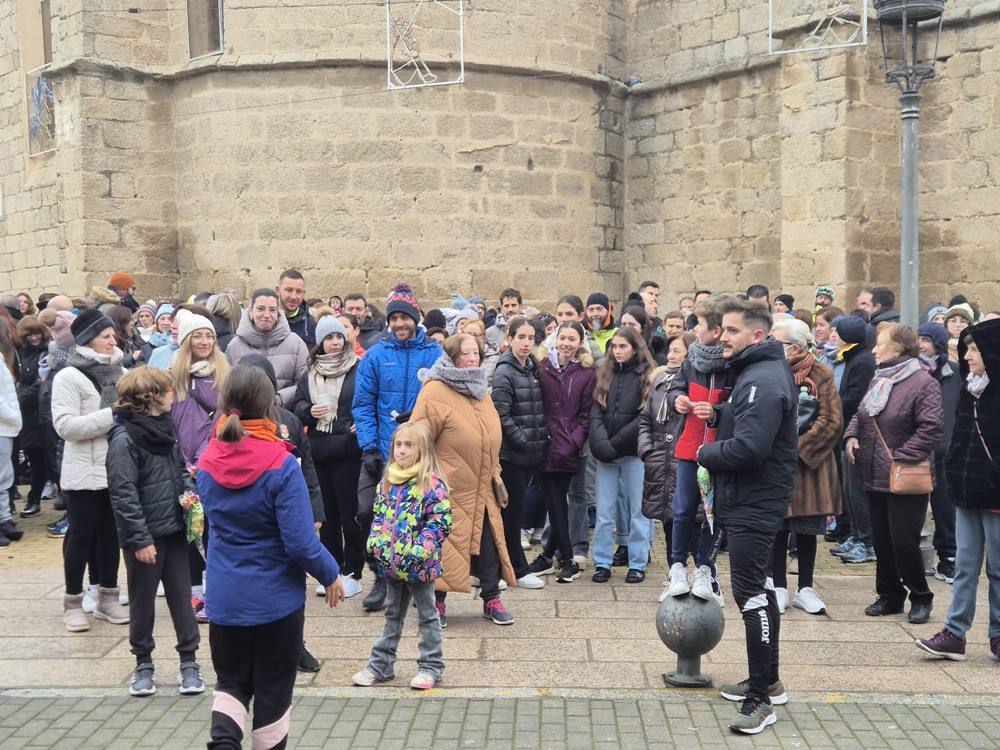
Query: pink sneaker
x=423 y=681
x=494 y=610
x=198 y=607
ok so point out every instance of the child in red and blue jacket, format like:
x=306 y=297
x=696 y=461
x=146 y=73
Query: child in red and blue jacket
x=412 y=518
x=701 y=385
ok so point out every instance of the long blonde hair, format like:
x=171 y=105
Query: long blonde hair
x=427 y=466
x=180 y=370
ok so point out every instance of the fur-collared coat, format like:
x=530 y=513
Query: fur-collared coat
x=817 y=487
x=467 y=437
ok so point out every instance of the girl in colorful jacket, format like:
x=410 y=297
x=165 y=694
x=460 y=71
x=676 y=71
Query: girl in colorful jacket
x=412 y=517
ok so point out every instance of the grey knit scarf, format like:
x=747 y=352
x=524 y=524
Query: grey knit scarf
x=706 y=358
x=469 y=381
x=105 y=368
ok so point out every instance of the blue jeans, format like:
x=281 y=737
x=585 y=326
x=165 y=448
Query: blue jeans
x=626 y=471
x=687 y=495
x=977 y=534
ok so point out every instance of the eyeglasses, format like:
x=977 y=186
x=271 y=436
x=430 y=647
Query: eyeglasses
x=208 y=337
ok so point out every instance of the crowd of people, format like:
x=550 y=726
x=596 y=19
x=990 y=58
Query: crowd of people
x=224 y=447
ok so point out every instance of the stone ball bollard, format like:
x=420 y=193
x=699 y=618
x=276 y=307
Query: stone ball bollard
x=690 y=627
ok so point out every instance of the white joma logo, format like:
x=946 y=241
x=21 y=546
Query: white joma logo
x=765 y=627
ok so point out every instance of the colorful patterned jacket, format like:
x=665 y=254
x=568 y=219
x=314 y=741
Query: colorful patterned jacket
x=409 y=529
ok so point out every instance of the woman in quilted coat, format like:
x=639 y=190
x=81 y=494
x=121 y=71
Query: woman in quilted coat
x=411 y=519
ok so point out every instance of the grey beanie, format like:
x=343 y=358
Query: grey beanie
x=327 y=325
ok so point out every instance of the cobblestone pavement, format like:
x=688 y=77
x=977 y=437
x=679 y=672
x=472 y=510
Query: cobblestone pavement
x=581 y=667
x=553 y=722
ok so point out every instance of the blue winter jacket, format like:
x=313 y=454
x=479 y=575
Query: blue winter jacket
x=387 y=384
x=261 y=538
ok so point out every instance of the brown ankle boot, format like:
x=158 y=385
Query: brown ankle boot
x=109 y=608
x=74 y=618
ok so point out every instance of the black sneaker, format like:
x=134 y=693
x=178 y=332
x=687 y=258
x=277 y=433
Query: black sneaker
x=9 y=529
x=542 y=566
x=31 y=509
x=882 y=607
x=376 y=597
x=307 y=662
x=601 y=575
x=945 y=570
x=569 y=573
x=635 y=576
x=620 y=558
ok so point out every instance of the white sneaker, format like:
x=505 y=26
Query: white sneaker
x=90 y=600
x=49 y=491
x=352 y=586
x=678 y=580
x=782 y=597
x=474 y=582
x=321 y=590
x=807 y=599
x=701 y=582
x=530 y=581
x=525 y=539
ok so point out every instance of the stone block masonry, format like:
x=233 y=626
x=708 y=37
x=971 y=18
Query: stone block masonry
x=720 y=168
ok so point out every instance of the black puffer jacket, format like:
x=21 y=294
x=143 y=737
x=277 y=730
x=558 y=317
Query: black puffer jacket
x=145 y=490
x=859 y=367
x=659 y=428
x=517 y=396
x=754 y=456
x=614 y=429
x=973 y=469
x=33 y=433
x=223 y=331
x=341 y=444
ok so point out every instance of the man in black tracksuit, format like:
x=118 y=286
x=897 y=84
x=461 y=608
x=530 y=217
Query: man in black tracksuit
x=753 y=465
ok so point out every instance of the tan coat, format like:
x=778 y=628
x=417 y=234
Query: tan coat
x=817 y=488
x=467 y=436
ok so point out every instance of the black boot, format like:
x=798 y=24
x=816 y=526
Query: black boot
x=10 y=531
x=620 y=557
x=376 y=597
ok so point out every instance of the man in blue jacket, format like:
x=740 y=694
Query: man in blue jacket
x=388 y=381
x=753 y=464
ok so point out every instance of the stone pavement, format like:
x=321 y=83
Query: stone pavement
x=580 y=650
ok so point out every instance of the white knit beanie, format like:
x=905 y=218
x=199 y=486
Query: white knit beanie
x=190 y=323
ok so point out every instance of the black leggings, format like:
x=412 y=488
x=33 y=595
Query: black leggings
x=258 y=662
x=515 y=479
x=91 y=521
x=341 y=532
x=555 y=485
x=806 y=558
x=38 y=462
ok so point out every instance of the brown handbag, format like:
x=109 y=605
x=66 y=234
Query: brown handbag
x=907 y=479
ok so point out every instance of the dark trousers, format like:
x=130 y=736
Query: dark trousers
x=750 y=565
x=555 y=485
x=38 y=463
x=366 y=502
x=196 y=562
x=856 y=504
x=340 y=533
x=897 y=521
x=257 y=662
x=534 y=506
x=171 y=567
x=515 y=479
x=91 y=521
x=487 y=563
x=944 y=513
x=806 y=556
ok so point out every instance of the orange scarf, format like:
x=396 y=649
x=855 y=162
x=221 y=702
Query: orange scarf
x=261 y=429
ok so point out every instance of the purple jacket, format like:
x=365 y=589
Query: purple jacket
x=567 y=395
x=912 y=424
x=191 y=422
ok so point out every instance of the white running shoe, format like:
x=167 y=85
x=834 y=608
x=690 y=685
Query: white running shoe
x=352 y=587
x=782 y=596
x=678 y=581
x=474 y=582
x=530 y=581
x=701 y=583
x=525 y=539
x=807 y=599
x=90 y=600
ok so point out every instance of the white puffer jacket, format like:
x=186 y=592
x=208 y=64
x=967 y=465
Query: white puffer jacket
x=10 y=408
x=79 y=420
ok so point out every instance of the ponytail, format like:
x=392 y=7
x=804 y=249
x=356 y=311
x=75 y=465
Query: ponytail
x=232 y=428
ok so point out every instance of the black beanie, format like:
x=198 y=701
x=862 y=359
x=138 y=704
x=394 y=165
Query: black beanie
x=88 y=324
x=599 y=298
x=787 y=299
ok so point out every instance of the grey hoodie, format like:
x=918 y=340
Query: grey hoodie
x=286 y=352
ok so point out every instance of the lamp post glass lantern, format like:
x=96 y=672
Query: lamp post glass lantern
x=911 y=32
